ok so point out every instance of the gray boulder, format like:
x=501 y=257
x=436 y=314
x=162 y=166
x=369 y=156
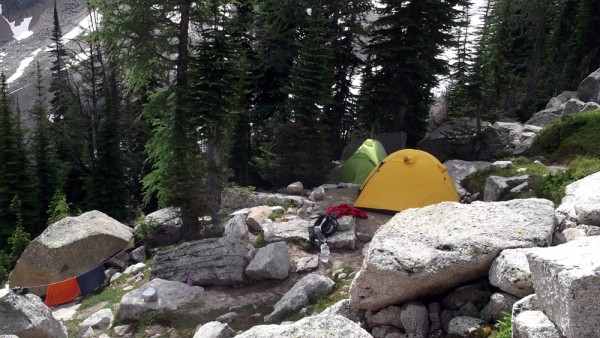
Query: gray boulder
x=590 y=106
x=123 y=330
x=496 y=186
x=589 y=88
x=510 y=272
x=572 y=106
x=304 y=264
x=425 y=251
x=499 y=304
x=584 y=191
x=464 y=326
x=214 y=261
x=236 y=228
x=459 y=170
x=415 y=319
x=91 y=237
x=545 y=117
x=26 y=316
x=167 y=223
x=457 y=139
x=389 y=316
x=257 y=216
x=102 y=320
x=270 y=262
x=529 y=303
x=214 y=330
x=170 y=297
x=588 y=214
x=305 y=290
x=139 y=254
x=566 y=279
x=534 y=324
x=560 y=99
x=310 y=327
x=295 y=188
x=343 y=308
x=465 y=294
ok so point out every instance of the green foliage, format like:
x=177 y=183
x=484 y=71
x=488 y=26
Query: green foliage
x=576 y=134
x=505 y=326
x=276 y=215
x=58 y=209
x=18 y=242
x=260 y=241
x=5 y=266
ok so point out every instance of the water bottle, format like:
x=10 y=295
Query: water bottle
x=324 y=255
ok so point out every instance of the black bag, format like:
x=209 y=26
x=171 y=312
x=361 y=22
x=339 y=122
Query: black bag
x=324 y=226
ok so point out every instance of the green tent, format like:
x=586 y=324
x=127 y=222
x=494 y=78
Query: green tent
x=358 y=166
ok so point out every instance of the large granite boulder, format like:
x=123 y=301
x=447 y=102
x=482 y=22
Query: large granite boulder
x=305 y=290
x=534 y=324
x=214 y=261
x=69 y=248
x=589 y=88
x=214 y=330
x=584 y=191
x=573 y=106
x=457 y=139
x=236 y=228
x=26 y=316
x=459 y=170
x=310 y=327
x=426 y=251
x=164 y=224
x=170 y=296
x=270 y=262
x=566 y=279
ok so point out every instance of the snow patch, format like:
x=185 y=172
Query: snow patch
x=20 y=31
x=84 y=26
x=23 y=65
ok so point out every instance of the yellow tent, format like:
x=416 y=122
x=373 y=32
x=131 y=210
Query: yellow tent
x=408 y=178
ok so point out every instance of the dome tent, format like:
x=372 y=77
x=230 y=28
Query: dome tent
x=358 y=166
x=408 y=178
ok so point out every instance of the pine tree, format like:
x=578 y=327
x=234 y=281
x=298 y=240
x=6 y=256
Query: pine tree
x=406 y=42
x=14 y=171
x=301 y=143
x=43 y=151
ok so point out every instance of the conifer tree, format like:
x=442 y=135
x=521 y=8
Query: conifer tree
x=43 y=151
x=404 y=58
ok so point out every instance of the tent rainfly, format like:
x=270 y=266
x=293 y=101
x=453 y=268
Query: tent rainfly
x=408 y=178
x=358 y=166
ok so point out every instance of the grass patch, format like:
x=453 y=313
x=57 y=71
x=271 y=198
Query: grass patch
x=275 y=215
x=574 y=135
x=476 y=181
x=504 y=327
x=260 y=241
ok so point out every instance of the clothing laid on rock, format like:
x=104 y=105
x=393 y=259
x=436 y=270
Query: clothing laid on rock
x=91 y=280
x=345 y=209
x=62 y=292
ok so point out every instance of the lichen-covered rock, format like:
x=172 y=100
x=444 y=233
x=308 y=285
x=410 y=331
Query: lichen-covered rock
x=533 y=324
x=566 y=279
x=425 y=251
x=310 y=327
x=91 y=238
x=214 y=261
x=583 y=191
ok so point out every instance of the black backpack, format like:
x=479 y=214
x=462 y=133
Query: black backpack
x=327 y=224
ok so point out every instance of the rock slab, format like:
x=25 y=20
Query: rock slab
x=27 y=316
x=310 y=327
x=566 y=279
x=91 y=237
x=170 y=297
x=425 y=251
x=214 y=261
x=305 y=290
